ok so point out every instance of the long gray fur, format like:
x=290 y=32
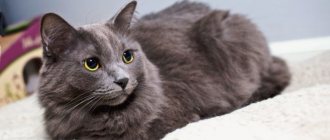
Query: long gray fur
x=190 y=63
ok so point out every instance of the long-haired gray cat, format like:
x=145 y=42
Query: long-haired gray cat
x=118 y=80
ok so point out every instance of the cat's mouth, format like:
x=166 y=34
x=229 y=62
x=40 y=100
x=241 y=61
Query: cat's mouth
x=116 y=100
x=116 y=96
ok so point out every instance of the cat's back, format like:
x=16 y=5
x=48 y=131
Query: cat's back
x=164 y=36
x=200 y=41
x=201 y=51
x=210 y=61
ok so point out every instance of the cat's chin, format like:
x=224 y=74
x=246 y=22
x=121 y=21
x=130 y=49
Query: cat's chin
x=116 y=100
x=108 y=103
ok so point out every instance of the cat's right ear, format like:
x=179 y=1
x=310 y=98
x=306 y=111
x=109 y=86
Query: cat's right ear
x=55 y=34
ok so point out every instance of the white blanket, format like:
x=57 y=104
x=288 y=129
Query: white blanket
x=300 y=115
x=302 y=112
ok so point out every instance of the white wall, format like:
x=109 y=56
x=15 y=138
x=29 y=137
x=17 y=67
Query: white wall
x=278 y=19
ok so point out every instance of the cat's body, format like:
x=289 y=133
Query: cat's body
x=211 y=62
x=195 y=63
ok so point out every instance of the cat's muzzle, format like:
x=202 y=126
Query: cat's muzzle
x=117 y=95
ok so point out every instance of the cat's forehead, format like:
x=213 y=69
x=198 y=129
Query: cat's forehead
x=101 y=37
x=100 y=40
x=98 y=30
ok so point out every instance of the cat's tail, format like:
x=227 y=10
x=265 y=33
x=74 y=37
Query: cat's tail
x=273 y=82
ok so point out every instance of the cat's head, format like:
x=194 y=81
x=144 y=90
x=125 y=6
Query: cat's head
x=94 y=63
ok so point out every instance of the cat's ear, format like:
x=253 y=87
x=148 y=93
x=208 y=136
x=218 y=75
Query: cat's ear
x=55 y=34
x=123 y=19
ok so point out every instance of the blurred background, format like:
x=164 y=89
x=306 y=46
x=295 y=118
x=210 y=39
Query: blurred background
x=280 y=20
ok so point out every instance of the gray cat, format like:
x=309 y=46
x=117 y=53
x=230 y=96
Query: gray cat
x=118 y=80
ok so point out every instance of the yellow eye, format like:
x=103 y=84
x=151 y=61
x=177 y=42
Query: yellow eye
x=91 y=64
x=128 y=57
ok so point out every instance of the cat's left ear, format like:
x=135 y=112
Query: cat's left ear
x=122 y=21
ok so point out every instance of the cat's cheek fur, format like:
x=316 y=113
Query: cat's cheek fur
x=137 y=68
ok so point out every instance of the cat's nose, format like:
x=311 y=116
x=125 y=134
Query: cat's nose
x=122 y=82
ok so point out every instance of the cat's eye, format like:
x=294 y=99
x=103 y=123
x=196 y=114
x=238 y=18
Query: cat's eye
x=91 y=64
x=128 y=57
